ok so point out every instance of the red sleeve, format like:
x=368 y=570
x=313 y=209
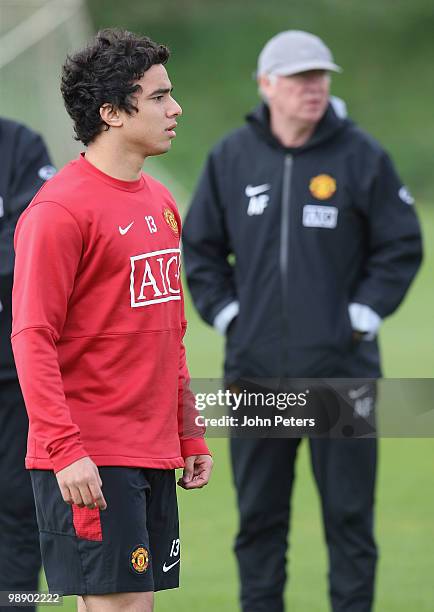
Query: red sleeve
x=191 y=435
x=48 y=245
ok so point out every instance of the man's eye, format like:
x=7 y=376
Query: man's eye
x=158 y=98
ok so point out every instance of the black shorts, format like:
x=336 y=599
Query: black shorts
x=131 y=546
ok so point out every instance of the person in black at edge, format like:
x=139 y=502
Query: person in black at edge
x=326 y=244
x=25 y=166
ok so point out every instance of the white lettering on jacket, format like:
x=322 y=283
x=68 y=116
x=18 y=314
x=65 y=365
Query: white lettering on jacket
x=320 y=216
x=258 y=201
x=154 y=277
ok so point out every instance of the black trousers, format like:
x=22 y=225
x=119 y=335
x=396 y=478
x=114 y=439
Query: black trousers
x=20 y=557
x=344 y=470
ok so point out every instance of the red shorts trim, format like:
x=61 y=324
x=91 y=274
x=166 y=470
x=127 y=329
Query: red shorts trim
x=87 y=523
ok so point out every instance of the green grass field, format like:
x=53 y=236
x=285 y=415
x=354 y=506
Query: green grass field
x=405 y=496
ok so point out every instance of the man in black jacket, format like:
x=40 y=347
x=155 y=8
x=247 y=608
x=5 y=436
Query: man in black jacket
x=25 y=166
x=326 y=244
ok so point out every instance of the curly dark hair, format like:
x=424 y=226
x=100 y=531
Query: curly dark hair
x=104 y=72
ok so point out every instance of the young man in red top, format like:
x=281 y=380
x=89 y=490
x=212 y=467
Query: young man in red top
x=97 y=338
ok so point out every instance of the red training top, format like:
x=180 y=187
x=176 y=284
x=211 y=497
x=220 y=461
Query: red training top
x=98 y=323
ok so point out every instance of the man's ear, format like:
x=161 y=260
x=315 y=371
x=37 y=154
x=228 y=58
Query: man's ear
x=266 y=85
x=110 y=115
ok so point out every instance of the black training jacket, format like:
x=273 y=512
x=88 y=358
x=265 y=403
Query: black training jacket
x=24 y=166
x=295 y=235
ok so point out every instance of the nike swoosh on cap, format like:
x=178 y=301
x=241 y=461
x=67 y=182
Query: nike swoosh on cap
x=253 y=191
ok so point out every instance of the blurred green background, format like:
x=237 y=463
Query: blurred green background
x=386 y=50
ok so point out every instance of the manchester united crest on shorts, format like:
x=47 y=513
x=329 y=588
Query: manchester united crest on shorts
x=322 y=187
x=139 y=560
x=171 y=221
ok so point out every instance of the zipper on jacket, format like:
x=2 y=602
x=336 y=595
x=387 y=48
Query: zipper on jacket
x=284 y=257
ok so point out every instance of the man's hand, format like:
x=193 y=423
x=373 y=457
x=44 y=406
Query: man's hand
x=80 y=484
x=197 y=472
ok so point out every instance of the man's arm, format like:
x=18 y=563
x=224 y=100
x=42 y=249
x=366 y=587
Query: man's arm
x=32 y=167
x=27 y=166
x=197 y=457
x=48 y=246
x=206 y=247
x=395 y=250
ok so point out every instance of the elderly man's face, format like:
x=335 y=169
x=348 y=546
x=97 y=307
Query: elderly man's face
x=301 y=97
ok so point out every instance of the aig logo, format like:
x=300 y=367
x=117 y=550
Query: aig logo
x=155 y=277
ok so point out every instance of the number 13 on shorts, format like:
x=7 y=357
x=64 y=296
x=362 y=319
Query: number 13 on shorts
x=174 y=550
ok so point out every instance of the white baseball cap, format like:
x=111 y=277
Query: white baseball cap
x=295 y=51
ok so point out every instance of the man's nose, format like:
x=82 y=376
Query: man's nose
x=175 y=109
